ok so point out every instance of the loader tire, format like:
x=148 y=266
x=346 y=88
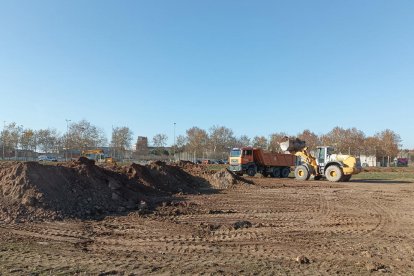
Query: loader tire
x=285 y=172
x=276 y=172
x=302 y=173
x=334 y=173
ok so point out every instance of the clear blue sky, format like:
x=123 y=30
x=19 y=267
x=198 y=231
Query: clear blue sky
x=254 y=66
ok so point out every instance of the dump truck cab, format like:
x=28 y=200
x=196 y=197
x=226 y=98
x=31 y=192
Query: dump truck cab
x=240 y=159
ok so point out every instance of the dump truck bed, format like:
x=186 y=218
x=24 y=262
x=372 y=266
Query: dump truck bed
x=273 y=159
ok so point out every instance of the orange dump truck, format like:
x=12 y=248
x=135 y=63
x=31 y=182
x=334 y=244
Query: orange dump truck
x=253 y=160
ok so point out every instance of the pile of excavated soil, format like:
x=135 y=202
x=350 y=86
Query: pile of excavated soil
x=30 y=191
x=223 y=179
x=166 y=178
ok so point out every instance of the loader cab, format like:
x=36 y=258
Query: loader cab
x=322 y=155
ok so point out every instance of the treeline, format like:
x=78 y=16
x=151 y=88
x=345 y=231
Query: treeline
x=211 y=143
x=79 y=136
x=220 y=139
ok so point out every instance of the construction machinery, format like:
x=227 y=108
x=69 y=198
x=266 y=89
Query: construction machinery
x=253 y=160
x=335 y=167
x=98 y=155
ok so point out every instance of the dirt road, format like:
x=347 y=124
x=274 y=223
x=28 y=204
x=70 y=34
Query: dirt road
x=284 y=227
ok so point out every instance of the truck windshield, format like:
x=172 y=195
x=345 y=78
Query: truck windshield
x=235 y=153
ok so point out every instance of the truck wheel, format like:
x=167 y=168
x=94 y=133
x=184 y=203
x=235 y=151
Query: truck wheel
x=285 y=172
x=302 y=173
x=251 y=171
x=276 y=172
x=334 y=173
x=346 y=178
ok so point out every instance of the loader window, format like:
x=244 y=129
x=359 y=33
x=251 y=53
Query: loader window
x=321 y=155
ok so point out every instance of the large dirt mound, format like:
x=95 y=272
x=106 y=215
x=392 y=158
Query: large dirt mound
x=166 y=178
x=32 y=191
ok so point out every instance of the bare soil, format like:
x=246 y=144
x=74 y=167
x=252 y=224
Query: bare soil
x=252 y=226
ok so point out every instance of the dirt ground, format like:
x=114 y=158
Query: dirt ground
x=273 y=226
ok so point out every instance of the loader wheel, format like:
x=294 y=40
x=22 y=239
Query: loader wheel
x=276 y=172
x=251 y=171
x=302 y=173
x=334 y=173
x=285 y=172
x=346 y=178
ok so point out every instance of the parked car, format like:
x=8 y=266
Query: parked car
x=46 y=158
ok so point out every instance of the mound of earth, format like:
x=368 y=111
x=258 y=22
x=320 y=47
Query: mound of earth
x=166 y=178
x=225 y=179
x=32 y=191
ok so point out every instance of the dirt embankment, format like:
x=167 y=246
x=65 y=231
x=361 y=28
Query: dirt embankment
x=31 y=191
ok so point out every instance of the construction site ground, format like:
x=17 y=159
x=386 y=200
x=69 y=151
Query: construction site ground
x=271 y=226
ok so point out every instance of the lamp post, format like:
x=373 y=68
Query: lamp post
x=174 y=143
x=4 y=126
x=67 y=138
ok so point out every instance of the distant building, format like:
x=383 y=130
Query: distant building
x=141 y=147
x=368 y=160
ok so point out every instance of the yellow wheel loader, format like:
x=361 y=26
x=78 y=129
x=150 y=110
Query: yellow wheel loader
x=334 y=167
x=98 y=155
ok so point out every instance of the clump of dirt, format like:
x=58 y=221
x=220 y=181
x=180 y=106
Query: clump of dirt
x=225 y=179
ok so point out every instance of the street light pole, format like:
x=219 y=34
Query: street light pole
x=4 y=126
x=67 y=138
x=174 y=143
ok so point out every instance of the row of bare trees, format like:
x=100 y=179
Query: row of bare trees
x=79 y=136
x=219 y=139
x=212 y=143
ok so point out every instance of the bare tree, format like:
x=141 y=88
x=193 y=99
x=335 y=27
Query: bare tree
x=83 y=135
x=388 y=144
x=197 y=140
x=260 y=142
x=349 y=141
x=242 y=141
x=274 y=141
x=220 y=140
x=47 y=139
x=160 y=141
x=121 y=140
x=181 y=143
x=312 y=140
x=28 y=141
x=11 y=135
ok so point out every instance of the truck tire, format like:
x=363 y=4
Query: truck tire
x=276 y=172
x=302 y=173
x=285 y=172
x=251 y=171
x=346 y=178
x=334 y=173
